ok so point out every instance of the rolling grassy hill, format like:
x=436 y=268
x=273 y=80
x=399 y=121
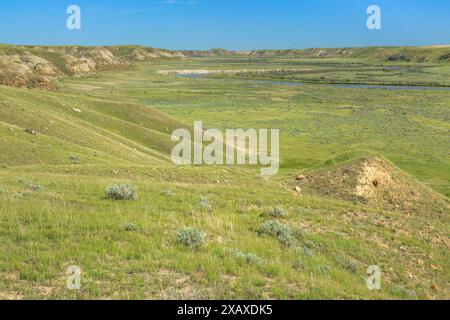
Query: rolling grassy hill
x=88 y=129
x=262 y=238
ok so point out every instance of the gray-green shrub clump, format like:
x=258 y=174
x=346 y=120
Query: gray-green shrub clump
x=121 y=192
x=167 y=193
x=247 y=257
x=277 y=212
x=190 y=237
x=204 y=203
x=30 y=185
x=278 y=230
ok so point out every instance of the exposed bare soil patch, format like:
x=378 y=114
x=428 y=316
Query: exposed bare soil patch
x=376 y=182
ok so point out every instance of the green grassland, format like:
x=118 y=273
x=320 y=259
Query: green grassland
x=115 y=128
x=317 y=122
x=363 y=73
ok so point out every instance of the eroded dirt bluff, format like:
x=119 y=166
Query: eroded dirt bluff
x=29 y=66
x=376 y=182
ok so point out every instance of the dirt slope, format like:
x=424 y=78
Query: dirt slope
x=376 y=182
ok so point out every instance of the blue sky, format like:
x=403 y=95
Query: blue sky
x=230 y=24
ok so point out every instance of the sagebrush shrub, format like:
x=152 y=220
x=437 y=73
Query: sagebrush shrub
x=18 y=195
x=324 y=269
x=277 y=212
x=252 y=258
x=190 y=237
x=167 y=193
x=307 y=252
x=278 y=230
x=311 y=244
x=30 y=185
x=248 y=257
x=298 y=264
x=350 y=264
x=204 y=203
x=130 y=227
x=121 y=192
x=23 y=181
x=258 y=202
x=35 y=187
x=75 y=160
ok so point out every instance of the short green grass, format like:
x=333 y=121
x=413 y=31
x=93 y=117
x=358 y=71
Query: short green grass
x=71 y=222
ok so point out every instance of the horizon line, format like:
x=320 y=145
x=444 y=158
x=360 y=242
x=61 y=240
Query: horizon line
x=228 y=50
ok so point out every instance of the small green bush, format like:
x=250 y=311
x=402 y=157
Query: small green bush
x=18 y=195
x=75 y=160
x=130 y=227
x=258 y=202
x=35 y=187
x=277 y=212
x=298 y=265
x=352 y=266
x=325 y=269
x=311 y=244
x=24 y=181
x=167 y=193
x=204 y=204
x=30 y=185
x=252 y=258
x=278 y=230
x=307 y=252
x=121 y=192
x=190 y=237
x=247 y=257
x=405 y=292
x=445 y=57
x=399 y=57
